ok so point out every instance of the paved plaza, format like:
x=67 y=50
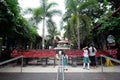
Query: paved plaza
x=53 y=69
x=52 y=76
x=49 y=72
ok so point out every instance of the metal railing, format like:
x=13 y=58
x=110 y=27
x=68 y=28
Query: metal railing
x=13 y=59
x=112 y=59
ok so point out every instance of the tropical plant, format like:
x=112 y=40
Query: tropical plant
x=77 y=18
x=52 y=34
x=115 y=4
x=44 y=13
x=14 y=28
x=111 y=26
x=107 y=22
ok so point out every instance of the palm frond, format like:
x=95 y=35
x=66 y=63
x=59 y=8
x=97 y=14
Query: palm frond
x=50 y=24
x=89 y=4
x=51 y=5
x=71 y=4
x=52 y=13
x=38 y=14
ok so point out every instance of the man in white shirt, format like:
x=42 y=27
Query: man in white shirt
x=92 y=55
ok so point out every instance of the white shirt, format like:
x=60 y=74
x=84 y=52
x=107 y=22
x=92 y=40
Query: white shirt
x=85 y=53
x=91 y=52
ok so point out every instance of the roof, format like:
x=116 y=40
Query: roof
x=64 y=41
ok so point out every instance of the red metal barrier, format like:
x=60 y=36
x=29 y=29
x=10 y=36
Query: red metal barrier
x=35 y=53
x=74 y=53
x=52 y=53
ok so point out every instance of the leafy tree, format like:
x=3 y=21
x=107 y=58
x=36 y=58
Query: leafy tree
x=111 y=26
x=78 y=18
x=52 y=34
x=106 y=22
x=14 y=28
x=44 y=13
x=115 y=3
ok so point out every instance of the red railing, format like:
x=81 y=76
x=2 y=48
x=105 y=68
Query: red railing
x=74 y=53
x=52 y=53
x=35 y=53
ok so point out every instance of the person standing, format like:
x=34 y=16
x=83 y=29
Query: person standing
x=86 y=59
x=59 y=57
x=92 y=55
x=65 y=61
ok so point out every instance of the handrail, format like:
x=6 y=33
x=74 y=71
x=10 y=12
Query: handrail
x=115 y=60
x=13 y=59
x=10 y=60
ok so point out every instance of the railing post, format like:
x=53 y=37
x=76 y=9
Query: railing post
x=62 y=68
x=59 y=68
x=101 y=64
x=58 y=73
x=21 y=63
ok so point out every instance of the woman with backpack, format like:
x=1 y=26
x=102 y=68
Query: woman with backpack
x=92 y=55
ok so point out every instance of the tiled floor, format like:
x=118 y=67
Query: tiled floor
x=54 y=69
x=53 y=76
x=39 y=72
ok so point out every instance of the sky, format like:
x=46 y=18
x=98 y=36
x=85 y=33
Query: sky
x=24 y=4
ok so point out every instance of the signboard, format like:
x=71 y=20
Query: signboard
x=111 y=40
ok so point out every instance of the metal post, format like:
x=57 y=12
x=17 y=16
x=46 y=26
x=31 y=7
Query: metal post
x=62 y=69
x=21 y=63
x=59 y=69
x=58 y=73
x=101 y=64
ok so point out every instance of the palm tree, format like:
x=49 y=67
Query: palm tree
x=66 y=18
x=72 y=6
x=76 y=9
x=52 y=33
x=44 y=13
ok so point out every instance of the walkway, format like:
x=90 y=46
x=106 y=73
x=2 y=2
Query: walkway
x=52 y=69
x=52 y=76
x=39 y=72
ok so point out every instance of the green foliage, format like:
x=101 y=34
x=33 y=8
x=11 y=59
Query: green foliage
x=111 y=26
x=71 y=4
x=90 y=4
x=13 y=25
x=8 y=15
x=115 y=3
x=52 y=32
x=13 y=7
x=79 y=16
x=44 y=13
x=44 y=10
